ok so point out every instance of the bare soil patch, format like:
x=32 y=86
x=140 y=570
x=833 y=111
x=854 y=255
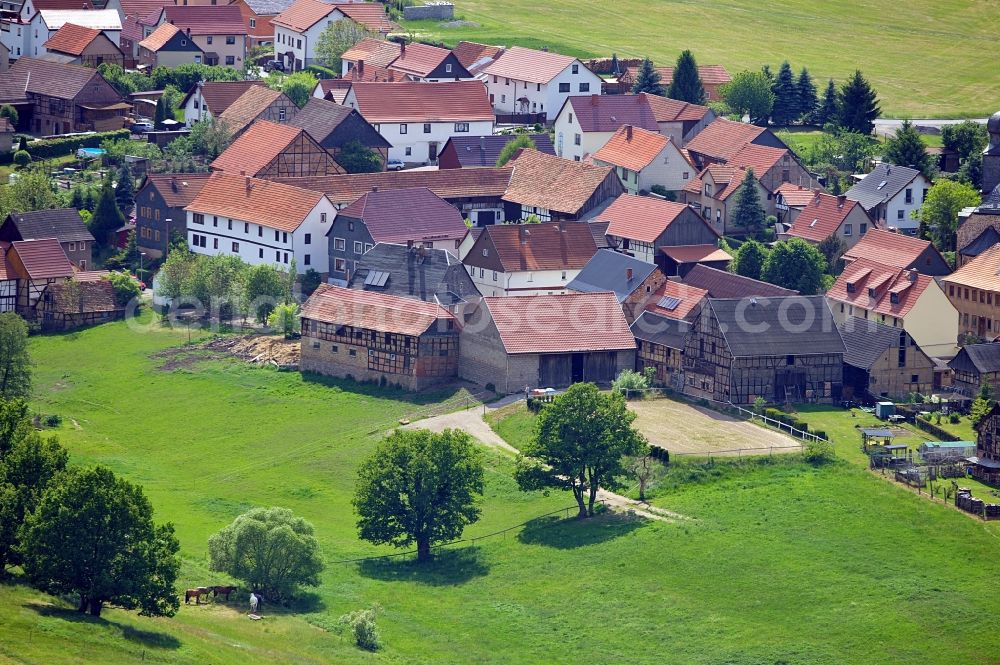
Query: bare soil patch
x=261 y=349
x=684 y=428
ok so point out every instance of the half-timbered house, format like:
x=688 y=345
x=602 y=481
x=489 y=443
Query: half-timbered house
x=269 y=150
x=986 y=463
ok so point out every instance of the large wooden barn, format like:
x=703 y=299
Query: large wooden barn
x=782 y=349
x=548 y=341
x=986 y=463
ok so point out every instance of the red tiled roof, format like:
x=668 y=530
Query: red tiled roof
x=373 y=74
x=71 y=39
x=696 y=253
x=255 y=148
x=303 y=14
x=760 y=158
x=48 y=78
x=641 y=218
x=62 y=4
x=689 y=299
x=377 y=52
x=159 y=37
x=469 y=53
x=608 y=113
x=553 y=183
x=140 y=8
x=821 y=217
x=253 y=102
x=369 y=14
x=219 y=95
x=271 y=204
x=729 y=177
x=632 y=148
x=447 y=183
x=419 y=59
x=530 y=247
x=177 y=189
x=369 y=310
x=709 y=74
x=458 y=101
x=724 y=138
x=6 y=269
x=398 y=215
x=568 y=323
x=525 y=64
x=43 y=258
x=722 y=284
x=672 y=110
x=90 y=275
x=206 y=19
x=795 y=196
x=982 y=272
x=886 y=280
x=891 y=249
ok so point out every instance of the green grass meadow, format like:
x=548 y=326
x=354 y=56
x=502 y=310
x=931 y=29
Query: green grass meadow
x=776 y=561
x=925 y=58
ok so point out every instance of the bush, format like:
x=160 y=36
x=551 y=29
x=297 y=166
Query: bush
x=631 y=380
x=54 y=420
x=48 y=148
x=22 y=158
x=660 y=190
x=362 y=626
x=321 y=72
x=126 y=288
x=953 y=419
x=819 y=452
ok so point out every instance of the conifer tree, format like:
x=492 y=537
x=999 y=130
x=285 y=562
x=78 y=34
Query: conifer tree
x=906 y=148
x=125 y=189
x=648 y=79
x=808 y=101
x=749 y=213
x=857 y=105
x=827 y=111
x=786 y=97
x=686 y=85
x=107 y=217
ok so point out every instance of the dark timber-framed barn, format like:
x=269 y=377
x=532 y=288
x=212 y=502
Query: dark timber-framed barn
x=551 y=341
x=782 y=349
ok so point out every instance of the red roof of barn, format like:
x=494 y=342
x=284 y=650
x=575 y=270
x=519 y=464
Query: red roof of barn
x=553 y=183
x=419 y=59
x=469 y=53
x=264 y=202
x=567 y=323
x=547 y=246
x=256 y=148
x=892 y=249
x=607 y=113
x=641 y=218
x=672 y=110
x=724 y=138
x=206 y=19
x=490 y=182
x=795 y=196
x=220 y=95
x=687 y=298
x=632 y=148
x=458 y=101
x=369 y=310
x=43 y=258
x=696 y=253
x=377 y=52
x=369 y=14
x=71 y=39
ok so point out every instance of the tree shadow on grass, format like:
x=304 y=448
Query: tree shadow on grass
x=571 y=533
x=148 y=638
x=449 y=567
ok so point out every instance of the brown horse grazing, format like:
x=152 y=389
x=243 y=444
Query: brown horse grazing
x=222 y=591
x=196 y=594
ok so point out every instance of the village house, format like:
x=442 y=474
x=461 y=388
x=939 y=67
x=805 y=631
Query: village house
x=369 y=53
x=432 y=274
x=78 y=45
x=974 y=290
x=34 y=265
x=659 y=344
x=58 y=98
x=979 y=230
x=974 y=365
x=367 y=336
x=130 y=13
x=891 y=195
x=333 y=126
x=46 y=22
x=257 y=15
x=209 y=99
x=723 y=284
x=827 y=215
x=632 y=281
x=269 y=150
x=475 y=56
x=713 y=195
x=553 y=189
x=257 y=103
x=16 y=17
x=398 y=216
x=781 y=349
x=261 y=222
x=644 y=160
x=68 y=305
x=723 y=139
x=297 y=28
x=418 y=118
x=463 y=152
x=902 y=299
x=900 y=251
x=63 y=224
x=332 y=90
x=639 y=226
x=218 y=30
x=789 y=200
x=986 y=463
x=412 y=62
x=548 y=341
x=159 y=209
x=883 y=362
x=713 y=77
x=169 y=46
x=529 y=259
x=475 y=193
x=8 y=280
x=677 y=300
x=524 y=80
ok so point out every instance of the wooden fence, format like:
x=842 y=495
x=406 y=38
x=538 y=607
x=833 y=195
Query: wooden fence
x=520 y=119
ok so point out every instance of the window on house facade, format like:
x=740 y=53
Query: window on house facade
x=230 y=60
x=848 y=229
x=236 y=248
x=402 y=129
x=908 y=197
x=564 y=87
x=253 y=23
x=408 y=151
x=900 y=214
x=307 y=239
x=209 y=39
x=357 y=246
x=231 y=39
x=339 y=265
x=447 y=68
x=862 y=229
x=576 y=69
x=260 y=231
x=577 y=139
x=584 y=87
x=461 y=127
x=260 y=253
x=322 y=218
x=198 y=218
x=307 y=259
x=339 y=244
x=427 y=128
x=215 y=243
x=281 y=114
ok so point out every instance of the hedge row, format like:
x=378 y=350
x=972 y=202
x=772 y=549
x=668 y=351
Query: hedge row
x=48 y=148
x=931 y=428
x=322 y=73
x=782 y=417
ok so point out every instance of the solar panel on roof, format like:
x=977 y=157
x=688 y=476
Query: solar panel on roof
x=376 y=278
x=669 y=303
x=882 y=184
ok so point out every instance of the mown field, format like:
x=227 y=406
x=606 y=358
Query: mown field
x=778 y=561
x=926 y=58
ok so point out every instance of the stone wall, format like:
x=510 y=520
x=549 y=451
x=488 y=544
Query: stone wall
x=318 y=356
x=440 y=12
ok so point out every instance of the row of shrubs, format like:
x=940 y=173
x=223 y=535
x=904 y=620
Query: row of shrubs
x=48 y=148
x=791 y=421
x=931 y=428
x=661 y=454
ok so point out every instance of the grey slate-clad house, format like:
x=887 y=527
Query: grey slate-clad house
x=633 y=281
x=723 y=284
x=883 y=361
x=159 y=208
x=63 y=224
x=463 y=152
x=889 y=194
x=333 y=126
x=782 y=349
x=430 y=274
x=974 y=364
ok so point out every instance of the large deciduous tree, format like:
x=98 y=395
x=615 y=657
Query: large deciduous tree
x=857 y=105
x=270 y=549
x=647 y=79
x=795 y=264
x=92 y=535
x=336 y=39
x=522 y=142
x=266 y=287
x=749 y=93
x=686 y=84
x=967 y=138
x=419 y=487
x=749 y=259
x=906 y=148
x=356 y=158
x=938 y=213
x=31 y=191
x=15 y=363
x=581 y=442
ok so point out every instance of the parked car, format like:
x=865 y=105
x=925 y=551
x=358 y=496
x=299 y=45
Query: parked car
x=142 y=127
x=274 y=66
x=394 y=165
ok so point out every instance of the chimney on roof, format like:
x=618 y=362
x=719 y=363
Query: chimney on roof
x=409 y=243
x=593 y=100
x=361 y=67
x=913 y=274
x=248 y=181
x=628 y=132
x=173 y=183
x=841 y=200
x=374 y=188
x=628 y=274
x=402 y=48
x=523 y=233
